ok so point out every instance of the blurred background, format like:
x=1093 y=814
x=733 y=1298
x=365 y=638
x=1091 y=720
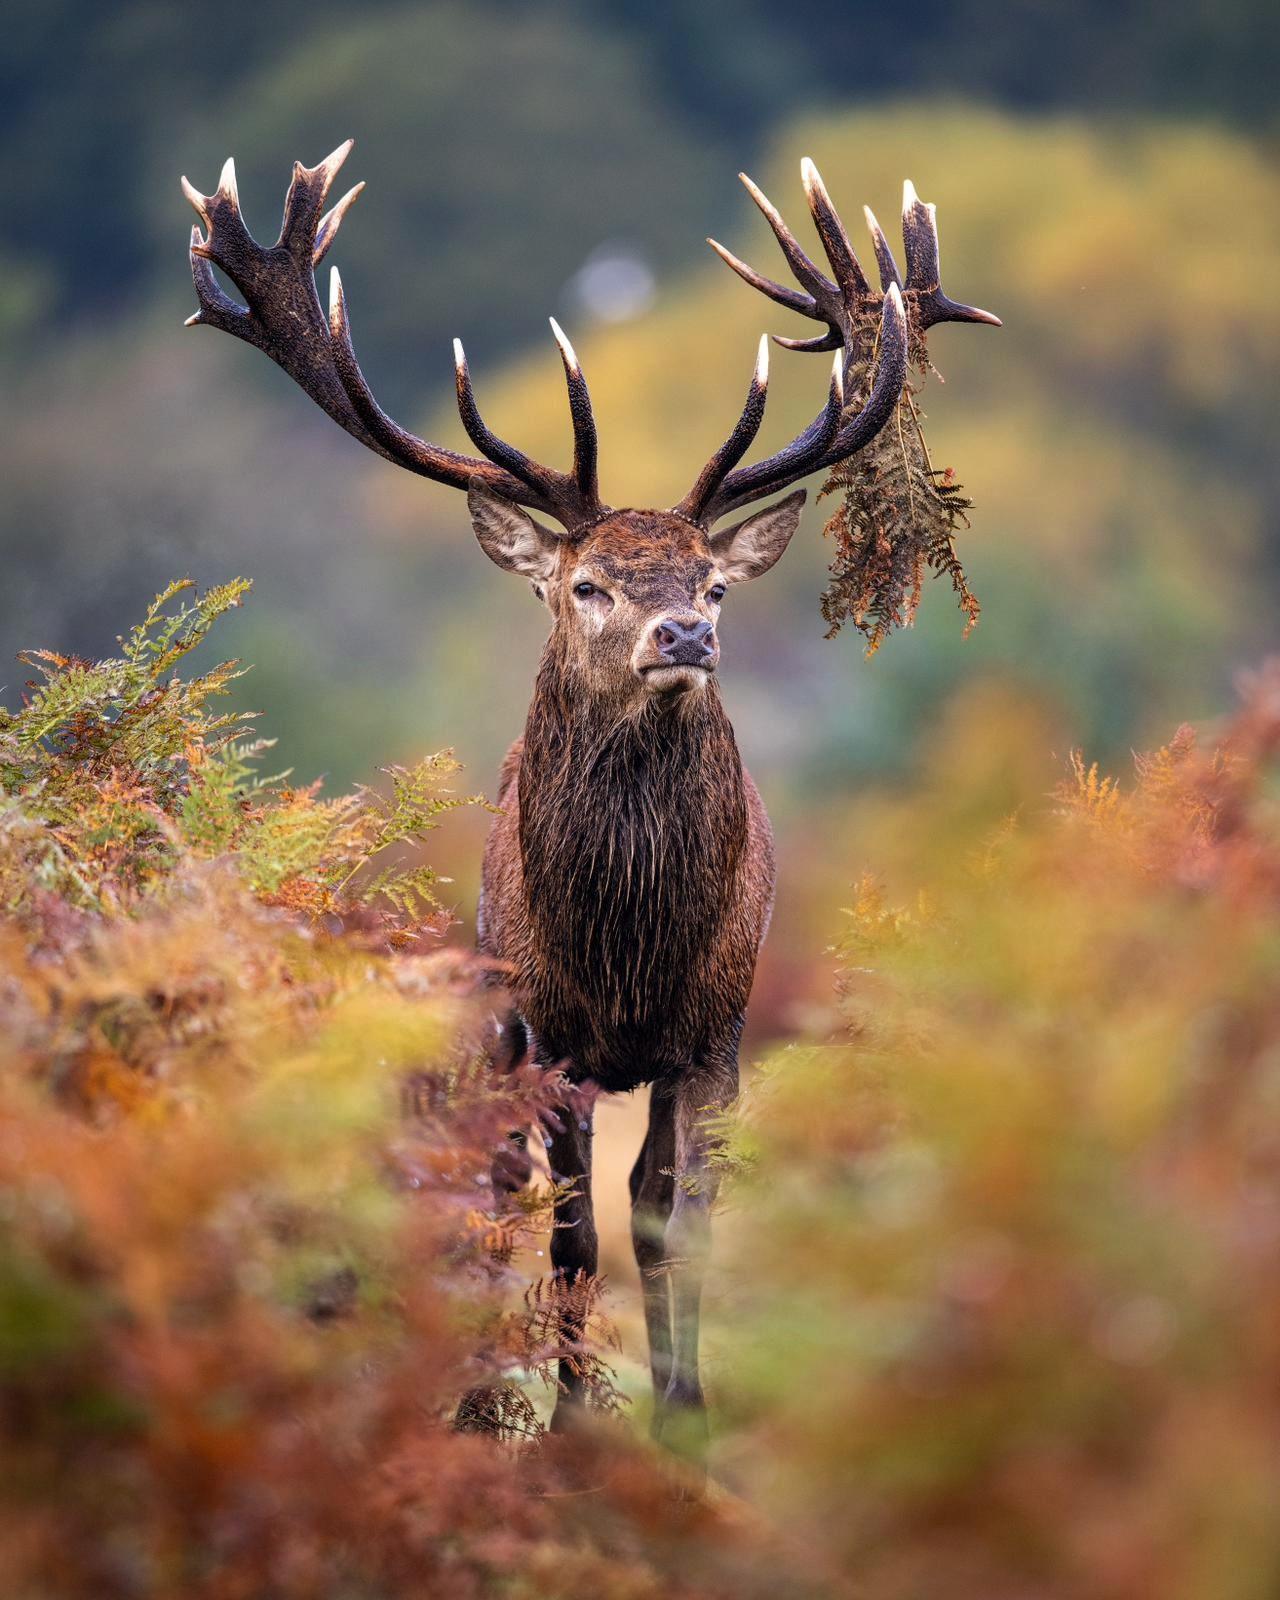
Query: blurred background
x=1105 y=178
x=1080 y=1312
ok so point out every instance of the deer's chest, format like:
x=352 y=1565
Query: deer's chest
x=631 y=908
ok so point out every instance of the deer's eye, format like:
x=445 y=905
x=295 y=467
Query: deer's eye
x=585 y=590
x=715 y=593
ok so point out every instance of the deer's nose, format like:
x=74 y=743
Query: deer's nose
x=685 y=641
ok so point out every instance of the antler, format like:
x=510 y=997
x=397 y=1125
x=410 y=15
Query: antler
x=848 y=306
x=282 y=316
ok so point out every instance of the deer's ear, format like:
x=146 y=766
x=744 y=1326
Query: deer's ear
x=509 y=536
x=752 y=546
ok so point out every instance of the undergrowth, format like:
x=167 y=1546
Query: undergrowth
x=998 y=1289
x=267 y=1328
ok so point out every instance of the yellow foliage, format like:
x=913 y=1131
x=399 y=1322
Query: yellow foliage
x=1008 y=1289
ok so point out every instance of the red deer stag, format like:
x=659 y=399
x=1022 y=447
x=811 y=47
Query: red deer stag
x=629 y=877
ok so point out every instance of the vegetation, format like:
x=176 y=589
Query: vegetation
x=1002 y=1310
x=995 y=1291
x=1002 y=1319
x=252 y=1264
x=895 y=522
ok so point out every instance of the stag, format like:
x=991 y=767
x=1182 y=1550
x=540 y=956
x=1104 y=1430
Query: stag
x=629 y=875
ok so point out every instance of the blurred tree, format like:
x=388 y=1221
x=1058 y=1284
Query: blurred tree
x=103 y=103
x=501 y=148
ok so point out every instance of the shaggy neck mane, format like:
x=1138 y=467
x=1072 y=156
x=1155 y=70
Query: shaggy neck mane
x=632 y=831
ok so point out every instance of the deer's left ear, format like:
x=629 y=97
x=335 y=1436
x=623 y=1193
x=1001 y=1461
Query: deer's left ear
x=752 y=546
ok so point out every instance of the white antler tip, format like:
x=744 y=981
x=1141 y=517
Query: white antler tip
x=566 y=349
x=227 y=180
x=870 y=215
x=192 y=320
x=893 y=297
x=459 y=355
x=837 y=375
x=909 y=196
x=762 y=361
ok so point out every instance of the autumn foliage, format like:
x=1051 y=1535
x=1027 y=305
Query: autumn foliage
x=999 y=1275
x=265 y=1327
x=1018 y=1231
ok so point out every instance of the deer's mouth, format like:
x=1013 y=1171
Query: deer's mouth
x=664 y=678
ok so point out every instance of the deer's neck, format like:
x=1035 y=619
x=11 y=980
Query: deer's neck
x=633 y=836
x=611 y=780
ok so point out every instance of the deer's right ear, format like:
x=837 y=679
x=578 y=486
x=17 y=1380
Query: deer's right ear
x=509 y=536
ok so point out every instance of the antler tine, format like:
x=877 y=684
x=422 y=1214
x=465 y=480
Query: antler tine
x=531 y=477
x=572 y=500
x=833 y=339
x=884 y=255
x=327 y=232
x=785 y=466
x=924 y=278
x=825 y=441
x=807 y=274
x=283 y=318
x=217 y=308
x=308 y=191
x=401 y=446
x=738 y=442
x=805 y=304
x=585 y=442
x=847 y=269
x=891 y=373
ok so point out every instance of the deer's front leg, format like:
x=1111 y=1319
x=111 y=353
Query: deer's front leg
x=574 y=1247
x=700 y=1099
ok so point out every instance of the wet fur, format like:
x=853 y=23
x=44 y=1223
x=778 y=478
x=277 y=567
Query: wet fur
x=627 y=882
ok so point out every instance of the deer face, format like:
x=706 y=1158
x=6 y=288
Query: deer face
x=635 y=599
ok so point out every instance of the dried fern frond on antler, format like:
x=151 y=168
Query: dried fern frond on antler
x=897 y=517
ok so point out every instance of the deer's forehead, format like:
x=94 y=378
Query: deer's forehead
x=647 y=552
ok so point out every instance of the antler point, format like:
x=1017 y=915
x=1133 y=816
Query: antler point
x=567 y=351
x=329 y=166
x=192 y=320
x=909 y=196
x=337 y=306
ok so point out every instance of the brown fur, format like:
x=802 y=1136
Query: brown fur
x=627 y=886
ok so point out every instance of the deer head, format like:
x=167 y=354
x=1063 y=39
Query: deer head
x=634 y=600
x=634 y=595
